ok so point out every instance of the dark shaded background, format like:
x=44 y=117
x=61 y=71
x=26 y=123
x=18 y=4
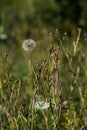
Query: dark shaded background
x=22 y=19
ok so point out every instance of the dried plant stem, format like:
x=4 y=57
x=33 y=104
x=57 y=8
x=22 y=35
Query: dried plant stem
x=46 y=119
x=30 y=65
x=80 y=93
x=32 y=120
x=77 y=41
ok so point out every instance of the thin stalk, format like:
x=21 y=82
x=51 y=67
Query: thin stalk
x=31 y=65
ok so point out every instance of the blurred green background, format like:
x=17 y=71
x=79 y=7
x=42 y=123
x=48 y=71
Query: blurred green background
x=35 y=19
x=22 y=19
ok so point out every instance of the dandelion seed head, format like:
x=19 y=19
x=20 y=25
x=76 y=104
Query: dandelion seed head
x=42 y=105
x=39 y=103
x=28 y=45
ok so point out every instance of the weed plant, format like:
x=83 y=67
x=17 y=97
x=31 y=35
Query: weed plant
x=54 y=96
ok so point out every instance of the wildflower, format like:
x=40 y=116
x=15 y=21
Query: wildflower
x=67 y=118
x=42 y=105
x=29 y=45
x=38 y=102
x=4 y=81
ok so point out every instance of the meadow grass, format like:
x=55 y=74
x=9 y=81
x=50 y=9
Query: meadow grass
x=45 y=94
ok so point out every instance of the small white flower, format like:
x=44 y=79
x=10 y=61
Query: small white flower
x=38 y=102
x=42 y=105
x=28 y=45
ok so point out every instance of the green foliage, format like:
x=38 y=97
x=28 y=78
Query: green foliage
x=45 y=89
x=48 y=93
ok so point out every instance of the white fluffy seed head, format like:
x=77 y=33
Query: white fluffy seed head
x=28 y=45
x=39 y=102
x=42 y=105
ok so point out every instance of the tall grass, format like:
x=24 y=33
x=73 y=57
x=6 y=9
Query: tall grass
x=54 y=95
